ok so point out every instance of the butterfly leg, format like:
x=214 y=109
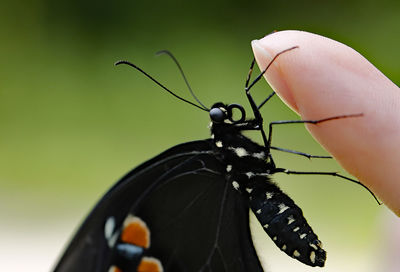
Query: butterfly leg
x=286 y=171
x=266 y=100
x=257 y=115
x=255 y=108
x=315 y=122
x=290 y=172
x=249 y=73
x=300 y=153
x=248 y=86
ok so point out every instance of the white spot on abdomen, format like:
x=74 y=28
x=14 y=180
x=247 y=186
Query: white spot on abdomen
x=290 y=220
x=302 y=236
x=313 y=246
x=312 y=256
x=282 y=208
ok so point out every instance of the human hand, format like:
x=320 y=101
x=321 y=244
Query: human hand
x=325 y=78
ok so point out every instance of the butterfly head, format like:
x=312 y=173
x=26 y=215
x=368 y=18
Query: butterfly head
x=229 y=114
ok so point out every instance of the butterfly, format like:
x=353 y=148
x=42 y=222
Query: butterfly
x=187 y=209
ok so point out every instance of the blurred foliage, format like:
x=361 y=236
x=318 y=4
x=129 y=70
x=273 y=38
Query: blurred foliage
x=71 y=123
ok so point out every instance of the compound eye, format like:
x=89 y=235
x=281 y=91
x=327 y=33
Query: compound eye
x=217 y=115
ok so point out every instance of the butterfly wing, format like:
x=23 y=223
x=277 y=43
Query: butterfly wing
x=197 y=222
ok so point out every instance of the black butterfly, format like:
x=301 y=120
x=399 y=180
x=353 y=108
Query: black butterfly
x=188 y=208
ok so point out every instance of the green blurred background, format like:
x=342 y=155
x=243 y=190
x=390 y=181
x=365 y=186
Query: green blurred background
x=71 y=123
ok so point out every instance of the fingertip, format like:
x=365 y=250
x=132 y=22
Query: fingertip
x=275 y=76
x=325 y=78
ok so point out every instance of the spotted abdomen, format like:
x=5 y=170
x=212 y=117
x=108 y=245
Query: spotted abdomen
x=284 y=222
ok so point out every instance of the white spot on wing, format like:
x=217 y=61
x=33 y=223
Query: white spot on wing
x=284 y=247
x=266 y=226
x=249 y=174
x=235 y=185
x=275 y=238
x=109 y=227
x=258 y=211
x=218 y=144
x=296 y=253
x=302 y=236
x=113 y=268
x=228 y=168
x=249 y=190
x=290 y=220
x=113 y=239
x=282 y=208
x=134 y=219
x=296 y=229
x=109 y=233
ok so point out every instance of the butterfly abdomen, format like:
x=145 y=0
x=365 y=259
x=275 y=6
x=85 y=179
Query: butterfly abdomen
x=284 y=222
x=249 y=170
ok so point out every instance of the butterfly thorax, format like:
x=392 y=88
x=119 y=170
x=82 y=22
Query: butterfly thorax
x=229 y=140
x=242 y=157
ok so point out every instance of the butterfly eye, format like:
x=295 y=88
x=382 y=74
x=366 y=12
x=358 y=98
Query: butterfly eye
x=217 y=115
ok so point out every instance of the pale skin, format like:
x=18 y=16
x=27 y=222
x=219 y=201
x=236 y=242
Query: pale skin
x=325 y=78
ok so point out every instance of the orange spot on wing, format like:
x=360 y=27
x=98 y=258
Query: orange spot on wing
x=149 y=264
x=135 y=232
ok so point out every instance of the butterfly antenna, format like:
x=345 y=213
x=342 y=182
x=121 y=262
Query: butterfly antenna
x=183 y=75
x=158 y=83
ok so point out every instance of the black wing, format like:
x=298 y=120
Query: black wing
x=197 y=221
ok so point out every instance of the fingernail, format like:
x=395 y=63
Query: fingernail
x=258 y=50
x=273 y=76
